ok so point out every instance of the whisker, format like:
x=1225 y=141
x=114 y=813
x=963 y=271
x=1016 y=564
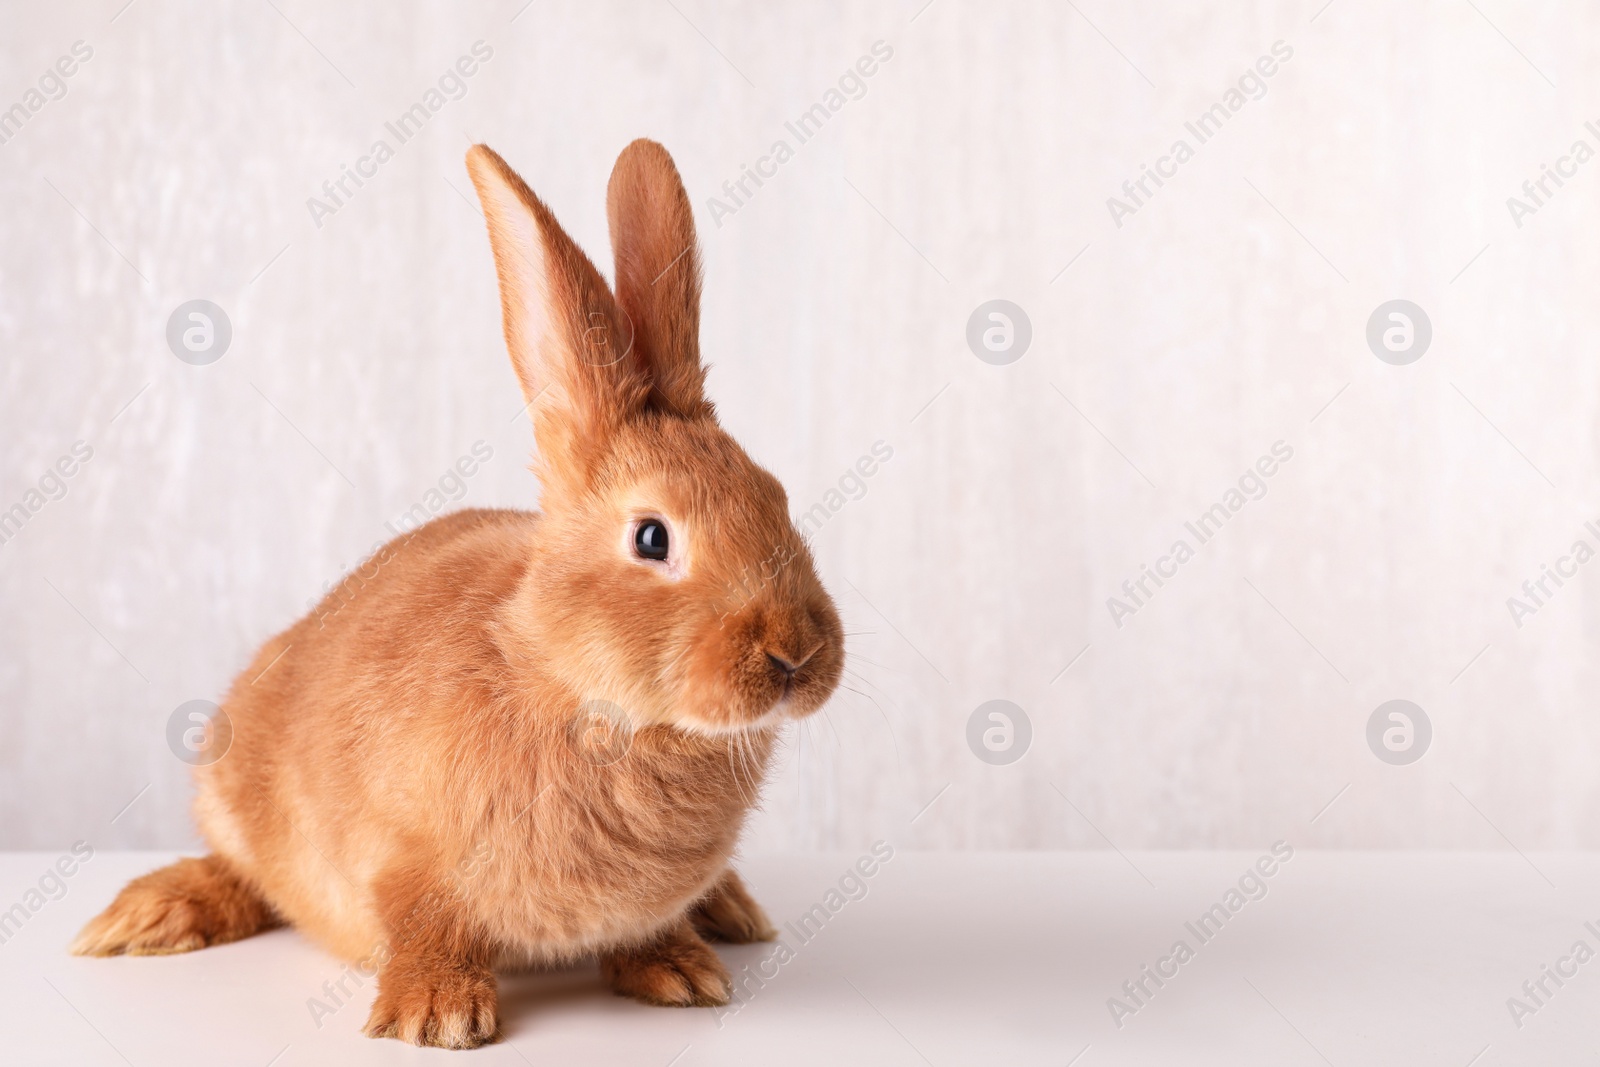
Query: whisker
x=850 y=676
x=856 y=657
x=734 y=764
x=752 y=768
x=750 y=788
x=893 y=737
x=837 y=740
x=746 y=761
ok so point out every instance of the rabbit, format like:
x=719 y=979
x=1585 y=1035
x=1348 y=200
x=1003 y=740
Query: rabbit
x=529 y=738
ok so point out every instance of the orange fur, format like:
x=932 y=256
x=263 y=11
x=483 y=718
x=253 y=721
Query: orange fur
x=411 y=782
x=188 y=905
x=675 y=970
x=729 y=913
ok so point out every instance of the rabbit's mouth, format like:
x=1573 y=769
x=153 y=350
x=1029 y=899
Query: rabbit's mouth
x=764 y=691
x=774 y=659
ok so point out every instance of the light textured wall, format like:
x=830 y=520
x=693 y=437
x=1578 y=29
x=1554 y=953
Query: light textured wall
x=1226 y=314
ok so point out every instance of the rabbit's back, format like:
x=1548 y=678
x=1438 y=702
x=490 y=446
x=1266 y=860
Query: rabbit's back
x=345 y=723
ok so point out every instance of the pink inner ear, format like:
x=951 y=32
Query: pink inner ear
x=521 y=259
x=563 y=327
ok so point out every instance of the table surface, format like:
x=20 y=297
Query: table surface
x=941 y=959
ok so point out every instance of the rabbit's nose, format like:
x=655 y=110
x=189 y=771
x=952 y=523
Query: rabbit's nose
x=789 y=665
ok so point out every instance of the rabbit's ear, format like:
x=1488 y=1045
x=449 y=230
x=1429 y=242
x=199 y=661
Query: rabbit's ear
x=569 y=342
x=658 y=275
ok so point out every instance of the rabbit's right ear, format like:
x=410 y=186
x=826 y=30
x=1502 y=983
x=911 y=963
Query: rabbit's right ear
x=658 y=275
x=569 y=342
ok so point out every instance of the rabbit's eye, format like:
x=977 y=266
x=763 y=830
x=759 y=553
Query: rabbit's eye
x=650 y=540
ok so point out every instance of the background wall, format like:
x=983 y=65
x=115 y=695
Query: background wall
x=1226 y=313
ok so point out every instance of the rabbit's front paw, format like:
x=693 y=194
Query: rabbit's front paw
x=678 y=970
x=433 y=1002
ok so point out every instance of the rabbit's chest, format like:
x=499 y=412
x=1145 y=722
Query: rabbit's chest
x=619 y=851
x=663 y=817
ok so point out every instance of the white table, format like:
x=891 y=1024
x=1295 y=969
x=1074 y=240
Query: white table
x=1350 y=958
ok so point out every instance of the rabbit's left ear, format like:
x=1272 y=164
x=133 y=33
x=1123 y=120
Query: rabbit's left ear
x=658 y=275
x=569 y=342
